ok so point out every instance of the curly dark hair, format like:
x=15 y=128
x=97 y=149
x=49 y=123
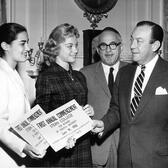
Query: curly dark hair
x=9 y=32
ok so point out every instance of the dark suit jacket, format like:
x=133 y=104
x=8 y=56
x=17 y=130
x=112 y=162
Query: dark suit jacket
x=144 y=139
x=99 y=97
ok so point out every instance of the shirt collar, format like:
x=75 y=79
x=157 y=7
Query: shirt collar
x=150 y=65
x=107 y=67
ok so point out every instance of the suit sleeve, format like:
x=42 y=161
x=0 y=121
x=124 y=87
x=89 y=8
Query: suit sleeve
x=112 y=118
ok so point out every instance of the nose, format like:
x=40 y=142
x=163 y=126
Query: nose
x=27 y=48
x=75 y=49
x=133 y=44
x=108 y=48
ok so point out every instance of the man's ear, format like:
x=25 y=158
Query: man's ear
x=155 y=46
x=97 y=49
x=121 y=46
x=5 y=46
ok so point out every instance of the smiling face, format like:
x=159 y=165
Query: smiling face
x=109 y=56
x=68 y=49
x=141 y=46
x=17 y=50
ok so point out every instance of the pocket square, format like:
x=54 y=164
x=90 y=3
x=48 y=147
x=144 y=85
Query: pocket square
x=161 y=91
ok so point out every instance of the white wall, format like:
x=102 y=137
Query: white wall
x=41 y=16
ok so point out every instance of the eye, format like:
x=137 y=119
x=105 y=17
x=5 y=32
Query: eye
x=114 y=44
x=22 y=44
x=69 y=46
x=102 y=46
x=139 y=41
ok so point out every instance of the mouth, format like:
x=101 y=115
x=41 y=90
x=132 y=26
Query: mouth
x=108 y=55
x=73 y=56
x=135 y=53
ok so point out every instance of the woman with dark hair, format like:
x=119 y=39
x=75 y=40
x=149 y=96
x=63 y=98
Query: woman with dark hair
x=13 y=100
x=57 y=84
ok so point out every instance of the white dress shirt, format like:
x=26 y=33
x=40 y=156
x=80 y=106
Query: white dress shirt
x=106 y=69
x=148 y=70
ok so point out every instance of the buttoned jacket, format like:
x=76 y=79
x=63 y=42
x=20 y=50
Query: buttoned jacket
x=143 y=139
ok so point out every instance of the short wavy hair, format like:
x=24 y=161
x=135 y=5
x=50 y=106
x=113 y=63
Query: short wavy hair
x=57 y=36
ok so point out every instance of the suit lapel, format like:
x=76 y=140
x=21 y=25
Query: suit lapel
x=154 y=81
x=127 y=90
x=100 y=77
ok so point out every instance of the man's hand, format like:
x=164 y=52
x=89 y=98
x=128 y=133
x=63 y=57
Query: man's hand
x=98 y=127
x=88 y=109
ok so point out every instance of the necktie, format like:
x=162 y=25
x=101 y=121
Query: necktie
x=111 y=80
x=137 y=91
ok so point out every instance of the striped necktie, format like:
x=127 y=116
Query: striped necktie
x=137 y=91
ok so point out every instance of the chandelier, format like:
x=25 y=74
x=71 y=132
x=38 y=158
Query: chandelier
x=95 y=10
x=94 y=19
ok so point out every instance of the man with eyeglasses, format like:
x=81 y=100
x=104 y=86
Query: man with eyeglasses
x=104 y=151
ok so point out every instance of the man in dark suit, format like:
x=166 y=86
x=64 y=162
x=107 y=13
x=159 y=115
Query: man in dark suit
x=143 y=118
x=109 y=46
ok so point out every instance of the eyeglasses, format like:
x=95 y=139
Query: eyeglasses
x=112 y=45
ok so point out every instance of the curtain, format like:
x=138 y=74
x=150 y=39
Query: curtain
x=2 y=11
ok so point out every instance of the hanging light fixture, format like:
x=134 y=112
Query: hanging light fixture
x=94 y=19
x=95 y=10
